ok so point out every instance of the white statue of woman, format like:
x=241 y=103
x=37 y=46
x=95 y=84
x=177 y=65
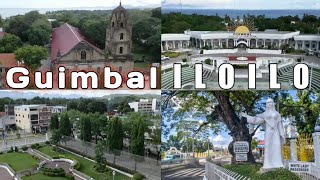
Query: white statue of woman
x=274 y=136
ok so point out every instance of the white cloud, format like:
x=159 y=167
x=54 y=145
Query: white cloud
x=219 y=141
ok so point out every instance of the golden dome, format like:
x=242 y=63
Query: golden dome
x=242 y=30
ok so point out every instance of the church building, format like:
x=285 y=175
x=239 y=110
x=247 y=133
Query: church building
x=73 y=51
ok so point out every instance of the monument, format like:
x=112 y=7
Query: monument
x=274 y=136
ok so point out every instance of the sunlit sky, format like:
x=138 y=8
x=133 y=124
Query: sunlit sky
x=76 y=3
x=245 y=4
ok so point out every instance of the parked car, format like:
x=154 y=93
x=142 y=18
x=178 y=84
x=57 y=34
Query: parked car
x=310 y=52
x=164 y=58
x=172 y=159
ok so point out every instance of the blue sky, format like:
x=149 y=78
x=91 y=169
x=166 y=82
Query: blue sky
x=223 y=138
x=75 y=3
x=245 y=4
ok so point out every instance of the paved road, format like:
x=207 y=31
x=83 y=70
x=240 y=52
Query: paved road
x=5 y=145
x=5 y=175
x=188 y=173
x=148 y=167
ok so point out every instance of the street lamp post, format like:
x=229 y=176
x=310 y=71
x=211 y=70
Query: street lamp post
x=113 y=174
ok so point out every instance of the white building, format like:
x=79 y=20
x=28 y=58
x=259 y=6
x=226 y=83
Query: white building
x=149 y=106
x=241 y=37
x=33 y=118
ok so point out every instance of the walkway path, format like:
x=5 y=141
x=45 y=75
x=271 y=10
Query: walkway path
x=63 y=165
x=188 y=173
x=5 y=175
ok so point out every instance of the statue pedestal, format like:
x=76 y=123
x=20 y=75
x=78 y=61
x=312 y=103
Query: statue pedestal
x=293 y=150
x=316 y=141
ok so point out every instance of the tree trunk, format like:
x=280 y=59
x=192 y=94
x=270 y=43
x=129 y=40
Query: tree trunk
x=238 y=128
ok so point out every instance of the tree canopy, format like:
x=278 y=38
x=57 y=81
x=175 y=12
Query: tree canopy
x=31 y=56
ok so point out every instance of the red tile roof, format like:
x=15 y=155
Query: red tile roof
x=7 y=60
x=65 y=38
x=2 y=34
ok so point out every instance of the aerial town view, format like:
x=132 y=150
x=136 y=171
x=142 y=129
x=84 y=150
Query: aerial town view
x=80 y=39
x=73 y=135
x=238 y=37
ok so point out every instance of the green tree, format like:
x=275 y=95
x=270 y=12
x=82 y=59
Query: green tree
x=100 y=159
x=56 y=137
x=9 y=43
x=54 y=123
x=65 y=125
x=137 y=137
x=115 y=134
x=85 y=128
x=31 y=56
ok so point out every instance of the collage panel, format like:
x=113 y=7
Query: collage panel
x=225 y=39
x=80 y=135
x=240 y=135
x=85 y=37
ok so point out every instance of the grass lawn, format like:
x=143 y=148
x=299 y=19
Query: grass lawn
x=86 y=165
x=251 y=171
x=42 y=177
x=19 y=161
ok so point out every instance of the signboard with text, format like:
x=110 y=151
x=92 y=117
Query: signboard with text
x=299 y=167
x=241 y=147
x=241 y=157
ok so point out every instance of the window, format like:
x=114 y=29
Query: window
x=120 y=69
x=121 y=50
x=121 y=25
x=112 y=24
x=83 y=55
x=121 y=36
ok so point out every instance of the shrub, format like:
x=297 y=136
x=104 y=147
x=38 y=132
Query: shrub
x=279 y=174
x=184 y=60
x=36 y=146
x=70 y=177
x=16 y=149
x=55 y=172
x=24 y=148
x=47 y=142
x=137 y=176
x=208 y=61
x=77 y=166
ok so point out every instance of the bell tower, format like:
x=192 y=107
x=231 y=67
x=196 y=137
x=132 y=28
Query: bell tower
x=118 y=37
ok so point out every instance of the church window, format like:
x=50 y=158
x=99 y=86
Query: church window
x=83 y=55
x=121 y=36
x=112 y=24
x=121 y=24
x=121 y=50
x=120 y=69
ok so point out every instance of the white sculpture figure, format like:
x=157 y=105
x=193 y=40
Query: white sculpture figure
x=274 y=136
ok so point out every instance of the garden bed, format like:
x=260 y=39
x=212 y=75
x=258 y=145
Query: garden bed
x=19 y=161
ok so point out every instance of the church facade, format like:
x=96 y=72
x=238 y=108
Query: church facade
x=69 y=48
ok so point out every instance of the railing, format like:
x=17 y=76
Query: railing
x=215 y=172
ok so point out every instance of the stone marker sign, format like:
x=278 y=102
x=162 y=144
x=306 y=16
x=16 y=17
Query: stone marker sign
x=242 y=157
x=241 y=147
x=299 y=167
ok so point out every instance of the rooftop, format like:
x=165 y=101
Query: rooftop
x=7 y=60
x=65 y=38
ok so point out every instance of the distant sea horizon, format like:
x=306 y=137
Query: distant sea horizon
x=233 y=13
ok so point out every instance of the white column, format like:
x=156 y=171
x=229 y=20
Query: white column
x=256 y=43
x=161 y=47
x=200 y=43
x=264 y=43
x=227 y=43
x=317 y=46
x=279 y=45
x=316 y=142
x=296 y=45
x=303 y=45
x=167 y=48
x=196 y=43
x=293 y=150
x=181 y=44
x=219 y=43
x=211 y=43
x=188 y=44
